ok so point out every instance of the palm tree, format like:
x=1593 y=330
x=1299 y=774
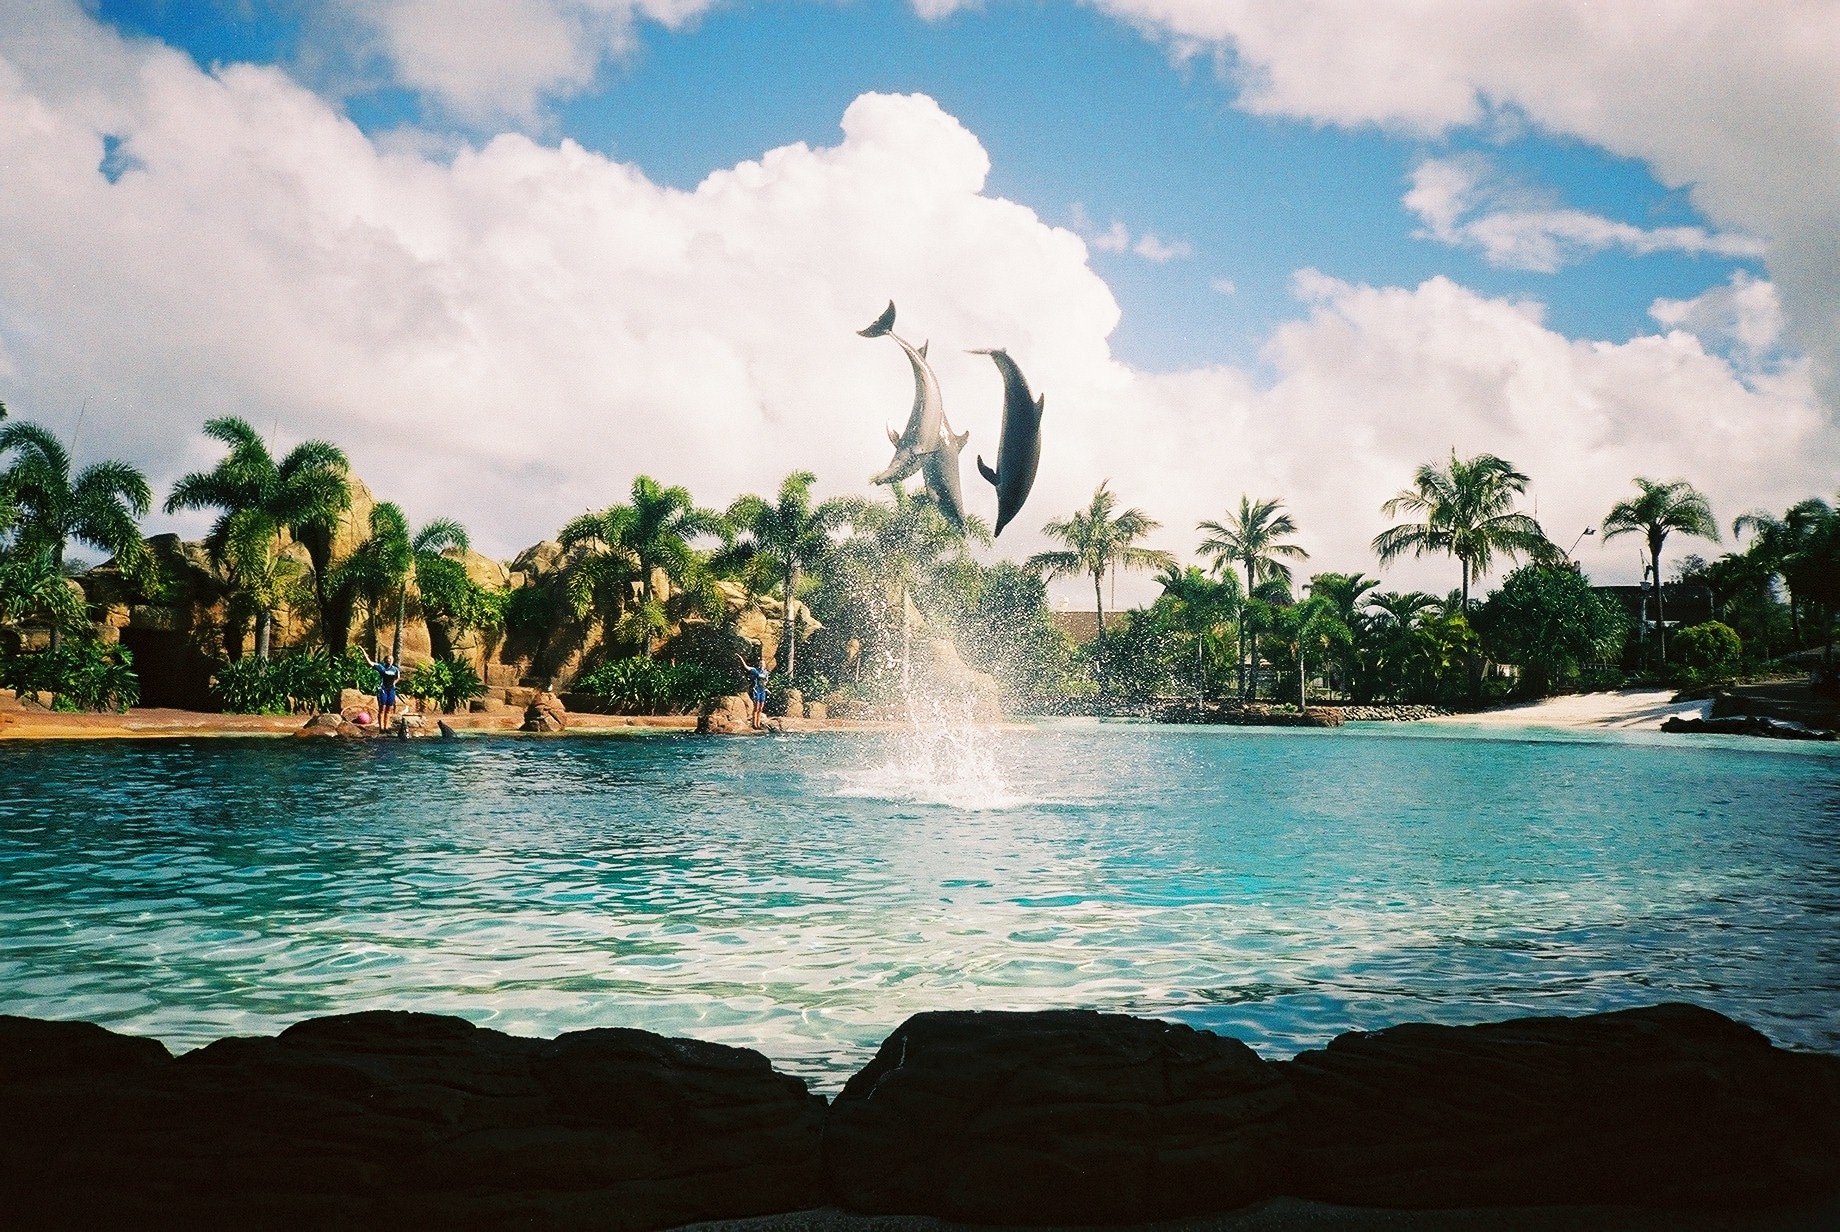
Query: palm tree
x=1313 y=624
x=790 y=532
x=1468 y=512
x=1253 y=538
x=899 y=544
x=1347 y=593
x=385 y=563
x=651 y=533
x=1660 y=509
x=30 y=584
x=258 y=499
x=101 y=506
x=1201 y=605
x=1781 y=545
x=1099 y=542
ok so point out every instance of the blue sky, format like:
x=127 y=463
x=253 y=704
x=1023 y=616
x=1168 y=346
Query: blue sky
x=510 y=253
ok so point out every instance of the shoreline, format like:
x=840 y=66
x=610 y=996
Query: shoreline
x=1621 y=710
x=163 y=723
x=1626 y=710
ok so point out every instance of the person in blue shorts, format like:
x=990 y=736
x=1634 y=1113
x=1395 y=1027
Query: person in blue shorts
x=757 y=687
x=388 y=673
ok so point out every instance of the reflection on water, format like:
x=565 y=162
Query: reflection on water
x=803 y=895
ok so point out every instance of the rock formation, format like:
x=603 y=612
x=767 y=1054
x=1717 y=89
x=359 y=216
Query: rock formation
x=379 y=1119
x=1068 y=1117
x=383 y=1118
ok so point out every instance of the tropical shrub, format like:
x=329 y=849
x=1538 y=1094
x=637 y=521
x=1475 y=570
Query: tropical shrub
x=629 y=686
x=448 y=683
x=297 y=680
x=528 y=609
x=1710 y=650
x=250 y=685
x=83 y=674
x=1549 y=622
x=449 y=594
x=312 y=679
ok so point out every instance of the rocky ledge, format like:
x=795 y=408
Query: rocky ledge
x=1750 y=725
x=376 y=1119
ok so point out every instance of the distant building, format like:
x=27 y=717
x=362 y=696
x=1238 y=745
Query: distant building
x=1082 y=627
x=1683 y=603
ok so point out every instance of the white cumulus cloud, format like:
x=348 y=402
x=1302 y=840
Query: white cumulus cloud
x=1736 y=102
x=1459 y=206
x=509 y=334
x=1746 y=312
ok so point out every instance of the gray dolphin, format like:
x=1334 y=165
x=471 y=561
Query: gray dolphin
x=1019 y=450
x=941 y=470
x=922 y=435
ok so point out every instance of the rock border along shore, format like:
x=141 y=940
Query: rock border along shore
x=1054 y=1117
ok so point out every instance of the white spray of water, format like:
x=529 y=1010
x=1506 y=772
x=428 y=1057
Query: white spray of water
x=944 y=756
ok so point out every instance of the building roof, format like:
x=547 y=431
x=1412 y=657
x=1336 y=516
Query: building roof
x=1082 y=627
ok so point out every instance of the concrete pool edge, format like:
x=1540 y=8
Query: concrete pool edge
x=1052 y=1117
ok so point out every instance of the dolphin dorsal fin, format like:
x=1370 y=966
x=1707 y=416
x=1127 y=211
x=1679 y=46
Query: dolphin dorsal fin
x=894 y=438
x=923 y=346
x=1041 y=403
x=986 y=472
x=958 y=442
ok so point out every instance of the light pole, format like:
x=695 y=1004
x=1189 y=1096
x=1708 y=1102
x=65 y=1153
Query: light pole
x=1569 y=555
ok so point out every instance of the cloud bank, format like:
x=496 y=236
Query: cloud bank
x=1738 y=103
x=510 y=335
x=1458 y=206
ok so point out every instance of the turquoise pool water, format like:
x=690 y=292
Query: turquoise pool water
x=804 y=895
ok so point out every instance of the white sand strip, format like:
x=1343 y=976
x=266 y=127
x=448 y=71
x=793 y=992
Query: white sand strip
x=1627 y=708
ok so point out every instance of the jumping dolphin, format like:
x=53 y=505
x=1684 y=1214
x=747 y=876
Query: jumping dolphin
x=923 y=433
x=1019 y=450
x=941 y=470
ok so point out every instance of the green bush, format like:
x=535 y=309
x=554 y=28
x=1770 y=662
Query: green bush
x=448 y=683
x=84 y=674
x=296 y=680
x=630 y=686
x=528 y=609
x=250 y=686
x=313 y=680
x=647 y=686
x=1710 y=650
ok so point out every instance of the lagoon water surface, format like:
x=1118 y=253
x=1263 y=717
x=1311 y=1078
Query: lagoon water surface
x=804 y=895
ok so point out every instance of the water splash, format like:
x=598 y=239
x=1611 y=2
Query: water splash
x=944 y=756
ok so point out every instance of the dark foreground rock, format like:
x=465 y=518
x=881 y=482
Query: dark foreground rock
x=386 y=1119
x=1065 y=1117
x=1088 y=1118
x=1749 y=725
x=1670 y=1105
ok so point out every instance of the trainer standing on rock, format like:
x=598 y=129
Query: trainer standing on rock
x=388 y=673
x=757 y=687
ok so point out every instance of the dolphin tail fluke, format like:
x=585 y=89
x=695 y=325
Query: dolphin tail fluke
x=881 y=325
x=986 y=472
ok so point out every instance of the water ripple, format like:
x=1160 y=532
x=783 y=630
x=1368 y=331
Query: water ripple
x=803 y=896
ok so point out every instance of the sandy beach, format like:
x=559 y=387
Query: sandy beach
x=1628 y=709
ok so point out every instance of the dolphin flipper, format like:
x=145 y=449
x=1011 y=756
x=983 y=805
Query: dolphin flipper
x=881 y=325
